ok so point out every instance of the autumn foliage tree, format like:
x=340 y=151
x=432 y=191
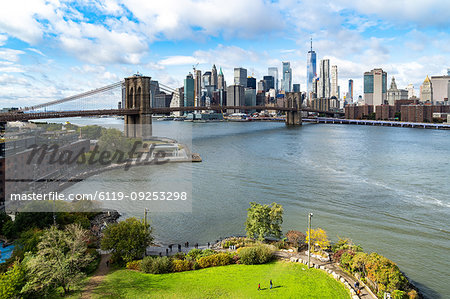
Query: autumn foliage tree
x=296 y=238
x=319 y=239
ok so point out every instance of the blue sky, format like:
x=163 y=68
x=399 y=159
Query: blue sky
x=50 y=49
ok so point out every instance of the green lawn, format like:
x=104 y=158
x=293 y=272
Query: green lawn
x=235 y=281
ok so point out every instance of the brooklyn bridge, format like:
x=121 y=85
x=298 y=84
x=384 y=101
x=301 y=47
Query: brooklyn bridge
x=137 y=109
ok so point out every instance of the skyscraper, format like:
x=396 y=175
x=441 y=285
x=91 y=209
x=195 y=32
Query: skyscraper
x=273 y=71
x=269 y=82
x=198 y=88
x=214 y=77
x=426 y=91
x=221 y=80
x=310 y=70
x=287 y=77
x=410 y=89
x=251 y=82
x=235 y=97
x=375 y=87
x=395 y=94
x=296 y=87
x=334 y=81
x=324 y=79
x=350 y=89
x=189 y=91
x=240 y=76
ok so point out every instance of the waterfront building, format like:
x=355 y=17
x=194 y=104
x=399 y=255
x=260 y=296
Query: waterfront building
x=214 y=77
x=441 y=88
x=198 y=87
x=189 y=91
x=350 y=90
x=221 y=81
x=334 y=81
x=324 y=79
x=273 y=71
x=251 y=82
x=355 y=111
x=287 y=77
x=235 y=97
x=395 y=94
x=240 y=76
x=410 y=89
x=426 y=91
x=269 y=82
x=260 y=98
x=250 y=98
x=310 y=70
x=417 y=113
x=375 y=87
x=296 y=87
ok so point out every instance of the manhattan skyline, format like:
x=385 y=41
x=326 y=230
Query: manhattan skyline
x=51 y=50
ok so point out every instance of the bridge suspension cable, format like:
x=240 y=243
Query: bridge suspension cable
x=75 y=97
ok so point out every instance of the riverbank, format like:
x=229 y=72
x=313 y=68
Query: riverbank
x=322 y=120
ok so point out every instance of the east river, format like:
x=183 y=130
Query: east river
x=386 y=188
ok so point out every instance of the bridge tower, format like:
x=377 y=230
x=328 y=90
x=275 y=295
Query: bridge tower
x=293 y=100
x=138 y=96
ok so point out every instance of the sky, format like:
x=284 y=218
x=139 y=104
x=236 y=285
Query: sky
x=50 y=49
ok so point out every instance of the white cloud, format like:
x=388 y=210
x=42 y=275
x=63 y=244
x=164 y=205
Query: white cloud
x=179 y=60
x=181 y=19
x=10 y=54
x=3 y=39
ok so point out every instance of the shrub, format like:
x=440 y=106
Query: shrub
x=179 y=256
x=219 y=259
x=134 y=265
x=196 y=266
x=236 y=259
x=181 y=265
x=346 y=259
x=255 y=255
x=296 y=238
x=397 y=294
x=196 y=254
x=413 y=294
x=158 y=265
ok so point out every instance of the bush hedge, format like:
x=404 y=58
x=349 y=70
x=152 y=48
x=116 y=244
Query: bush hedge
x=134 y=265
x=219 y=259
x=157 y=265
x=181 y=265
x=260 y=254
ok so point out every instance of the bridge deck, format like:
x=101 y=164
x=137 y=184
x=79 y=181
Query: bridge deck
x=19 y=116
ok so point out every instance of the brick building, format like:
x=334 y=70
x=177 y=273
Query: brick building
x=354 y=111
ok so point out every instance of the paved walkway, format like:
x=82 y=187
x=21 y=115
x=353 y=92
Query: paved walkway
x=331 y=266
x=98 y=277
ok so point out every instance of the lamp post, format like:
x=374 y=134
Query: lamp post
x=309 y=239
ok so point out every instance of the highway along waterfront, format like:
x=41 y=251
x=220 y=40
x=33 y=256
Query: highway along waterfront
x=387 y=188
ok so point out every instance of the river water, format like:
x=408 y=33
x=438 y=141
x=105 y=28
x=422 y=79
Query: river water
x=386 y=188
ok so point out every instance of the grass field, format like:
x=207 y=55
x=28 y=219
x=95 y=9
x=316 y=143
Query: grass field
x=235 y=281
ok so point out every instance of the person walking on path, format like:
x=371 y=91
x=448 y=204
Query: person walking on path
x=271 y=284
x=259 y=286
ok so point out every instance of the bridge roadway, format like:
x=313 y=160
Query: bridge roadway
x=19 y=116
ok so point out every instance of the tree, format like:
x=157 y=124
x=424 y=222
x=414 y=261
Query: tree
x=319 y=239
x=127 y=239
x=59 y=261
x=295 y=237
x=12 y=281
x=264 y=221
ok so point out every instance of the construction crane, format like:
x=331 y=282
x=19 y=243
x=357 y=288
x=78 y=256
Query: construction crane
x=194 y=67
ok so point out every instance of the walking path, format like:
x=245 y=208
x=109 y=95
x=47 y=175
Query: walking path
x=365 y=292
x=98 y=277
